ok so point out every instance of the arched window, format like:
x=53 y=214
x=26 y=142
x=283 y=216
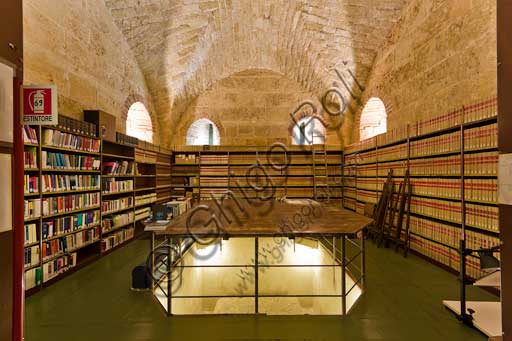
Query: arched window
x=138 y=123
x=203 y=132
x=373 y=119
x=309 y=130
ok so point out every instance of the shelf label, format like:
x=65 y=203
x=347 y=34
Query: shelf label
x=39 y=105
x=505 y=179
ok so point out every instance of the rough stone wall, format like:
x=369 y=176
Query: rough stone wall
x=440 y=56
x=249 y=108
x=76 y=45
x=184 y=47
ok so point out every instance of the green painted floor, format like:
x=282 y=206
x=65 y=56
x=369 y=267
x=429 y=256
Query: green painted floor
x=402 y=302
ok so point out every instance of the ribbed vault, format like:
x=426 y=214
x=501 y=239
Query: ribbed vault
x=185 y=46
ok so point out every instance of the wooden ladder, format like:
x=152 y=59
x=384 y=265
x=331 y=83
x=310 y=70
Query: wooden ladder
x=320 y=172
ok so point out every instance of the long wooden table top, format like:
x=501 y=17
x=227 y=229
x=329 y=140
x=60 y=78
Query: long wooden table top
x=239 y=218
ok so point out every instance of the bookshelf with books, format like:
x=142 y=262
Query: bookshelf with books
x=62 y=199
x=85 y=196
x=432 y=152
x=118 y=194
x=163 y=175
x=251 y=172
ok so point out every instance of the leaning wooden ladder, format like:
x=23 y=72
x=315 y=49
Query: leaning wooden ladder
x=320 y=172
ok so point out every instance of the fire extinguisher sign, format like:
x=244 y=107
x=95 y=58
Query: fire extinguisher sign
x=39 y=105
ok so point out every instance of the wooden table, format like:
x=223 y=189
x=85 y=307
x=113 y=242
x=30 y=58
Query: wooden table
x=237 y=218
x=210 y=220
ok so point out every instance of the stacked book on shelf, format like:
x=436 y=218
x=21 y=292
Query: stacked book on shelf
x=116 y=221
x=32 y=208
x=62 y=183
x=73 y=202
x=31 y=236
x=116 y=239
x=117 y=168
x=55 y=267
x=108 y=206
x=29 y=135
x=76 y=126
x=145 y=199
x=30 y=158
x=61 y=161
x=56 y=227
x=60 y=139
x=31 y=184
x=117 y=186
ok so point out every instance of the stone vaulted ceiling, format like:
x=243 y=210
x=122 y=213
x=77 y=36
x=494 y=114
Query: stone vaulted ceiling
x=185 y=46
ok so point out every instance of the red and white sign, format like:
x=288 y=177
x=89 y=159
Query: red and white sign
x=39 y=105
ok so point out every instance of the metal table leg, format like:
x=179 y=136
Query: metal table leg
x=343 y=278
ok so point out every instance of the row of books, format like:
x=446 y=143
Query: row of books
x=450 y=235
x=54 y=205
x=481 y=163
x=32 y=208
x=29 y=135
x=126 y=139
x=484 y=217
x=60 y=183
x=116 y=239
x=469 y=113
x=69 y=243
x=58 y=226
x=33 y=278
x=56 y=138
x=449 y=120
x=349 y=203
x=145 y=199
x=112 y=222
x=76 y=126
x=477 y=164
x=350 y=193
x=214 y=170
x=367 y=196
x=30 y=234
x=179 y=206
x=185 y=159
x=394 y=135
x=439 y=209
x=436 y=145
x=213 y=159
x=31 y=256
x=476 y=138
x=445 y=255
x=386 y=154
x=117 y=168
x=31 y=184
x=481 y=137
x=50 y=160
x=114 y=186
x=145 y=156
x=58 y=266
x=30 y=157
x=116 y=204
x=142 y=213
x=214 y=182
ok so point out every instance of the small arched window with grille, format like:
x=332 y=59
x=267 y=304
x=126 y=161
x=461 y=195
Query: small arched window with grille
x=309 y=130
x=203 y=132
